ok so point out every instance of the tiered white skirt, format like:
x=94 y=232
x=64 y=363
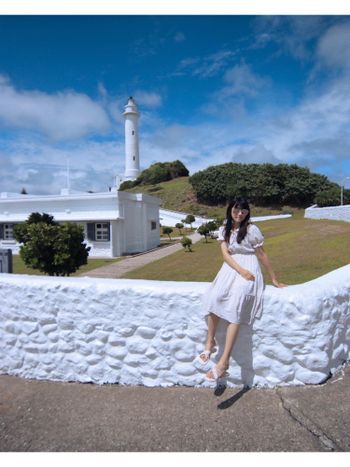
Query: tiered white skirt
x=234 y=298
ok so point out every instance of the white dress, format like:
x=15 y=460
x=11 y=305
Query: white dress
x=231 y=296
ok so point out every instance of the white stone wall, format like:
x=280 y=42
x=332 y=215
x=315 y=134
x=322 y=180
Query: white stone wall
x=149 y=332
x=335 y=213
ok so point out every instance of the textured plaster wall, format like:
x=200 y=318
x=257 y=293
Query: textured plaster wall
x=336 y=213
x=149 y=332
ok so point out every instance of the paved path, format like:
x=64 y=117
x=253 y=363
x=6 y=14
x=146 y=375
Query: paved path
x=60 y=416
x=121 y=267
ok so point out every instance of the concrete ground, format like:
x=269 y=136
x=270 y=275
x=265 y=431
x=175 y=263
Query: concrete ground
x=116 y=270
x=58 y=416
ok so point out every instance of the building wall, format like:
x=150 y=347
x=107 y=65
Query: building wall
x=10 y=245
x=129 y=215
x=336 y=213
x=153 y=236
x=149 y=332
x=137 y=226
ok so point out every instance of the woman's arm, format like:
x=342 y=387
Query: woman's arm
x=231 y=262
x=262 y=256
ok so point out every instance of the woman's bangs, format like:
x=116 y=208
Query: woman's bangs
x=239 y=205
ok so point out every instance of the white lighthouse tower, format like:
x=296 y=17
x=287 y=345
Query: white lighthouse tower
x=132 y=160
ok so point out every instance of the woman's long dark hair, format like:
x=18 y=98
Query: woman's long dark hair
x=240 y=203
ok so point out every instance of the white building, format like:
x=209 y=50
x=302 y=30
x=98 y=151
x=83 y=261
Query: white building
x=115 y=222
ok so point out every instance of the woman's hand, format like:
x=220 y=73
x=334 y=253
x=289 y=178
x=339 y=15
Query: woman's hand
x=247 y=275
x=278 y=284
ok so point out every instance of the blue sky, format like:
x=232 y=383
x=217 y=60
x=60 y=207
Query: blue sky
x=210 y=89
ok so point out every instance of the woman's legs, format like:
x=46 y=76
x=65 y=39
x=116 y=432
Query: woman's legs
x=210 y=342
x=231 y=336
x=212 y=325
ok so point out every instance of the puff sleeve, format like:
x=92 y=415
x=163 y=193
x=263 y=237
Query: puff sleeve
x=221 y=234
x=256 y=238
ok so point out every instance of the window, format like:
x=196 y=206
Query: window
x=153 y=225
x=133 y=132
x=133 y=158
x=8 y=231
x=102 y=232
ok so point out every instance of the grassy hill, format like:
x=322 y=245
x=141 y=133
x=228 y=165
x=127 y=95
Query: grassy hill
x=178 y=195
x=299 y=249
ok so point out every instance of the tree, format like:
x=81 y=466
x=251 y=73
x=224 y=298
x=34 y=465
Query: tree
x=186 y=243
x=179 y=226
x=157 y=173
x=331 y=196
x=126 y=185
x=52 y=248
x=263 y=184
x=189 y=219
x=204 y=230
x=213 y=225
x=167 y=231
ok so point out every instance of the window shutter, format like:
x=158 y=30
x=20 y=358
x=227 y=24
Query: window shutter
x=91 y=231
x=1 y=231
x=109 y=231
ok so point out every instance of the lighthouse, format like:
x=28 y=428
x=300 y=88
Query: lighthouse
x=132 y=159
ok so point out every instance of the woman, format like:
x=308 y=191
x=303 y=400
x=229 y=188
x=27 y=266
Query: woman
x=237 y=291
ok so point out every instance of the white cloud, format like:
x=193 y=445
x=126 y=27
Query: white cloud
x=60 y=116
x=333 y=47
x=240 y=83
x=257 y=154
x=205 y=67
x=294 y=34
x=148 y=99
x=315 y=133
x=41 y=167
x=240 y=80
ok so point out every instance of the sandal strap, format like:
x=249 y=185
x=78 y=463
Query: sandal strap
x=218 y=373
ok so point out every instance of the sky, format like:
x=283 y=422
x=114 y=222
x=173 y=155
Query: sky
x=210 y=89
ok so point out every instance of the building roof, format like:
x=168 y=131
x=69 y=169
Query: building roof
x=70 y=206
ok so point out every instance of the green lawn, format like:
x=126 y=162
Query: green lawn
x=20 y=268
x=299 y=249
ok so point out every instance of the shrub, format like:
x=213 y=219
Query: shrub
x=262 y=184
x=189 y=219
x=167 y=231
x=127 y=185
x=179 y=226
x=57 y=250
x=329 y=197
x=186 y=243
x=162 y=172
x=204 y=230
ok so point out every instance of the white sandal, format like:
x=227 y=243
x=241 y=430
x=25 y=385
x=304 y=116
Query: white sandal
x=206 y=354
x=217 y=374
